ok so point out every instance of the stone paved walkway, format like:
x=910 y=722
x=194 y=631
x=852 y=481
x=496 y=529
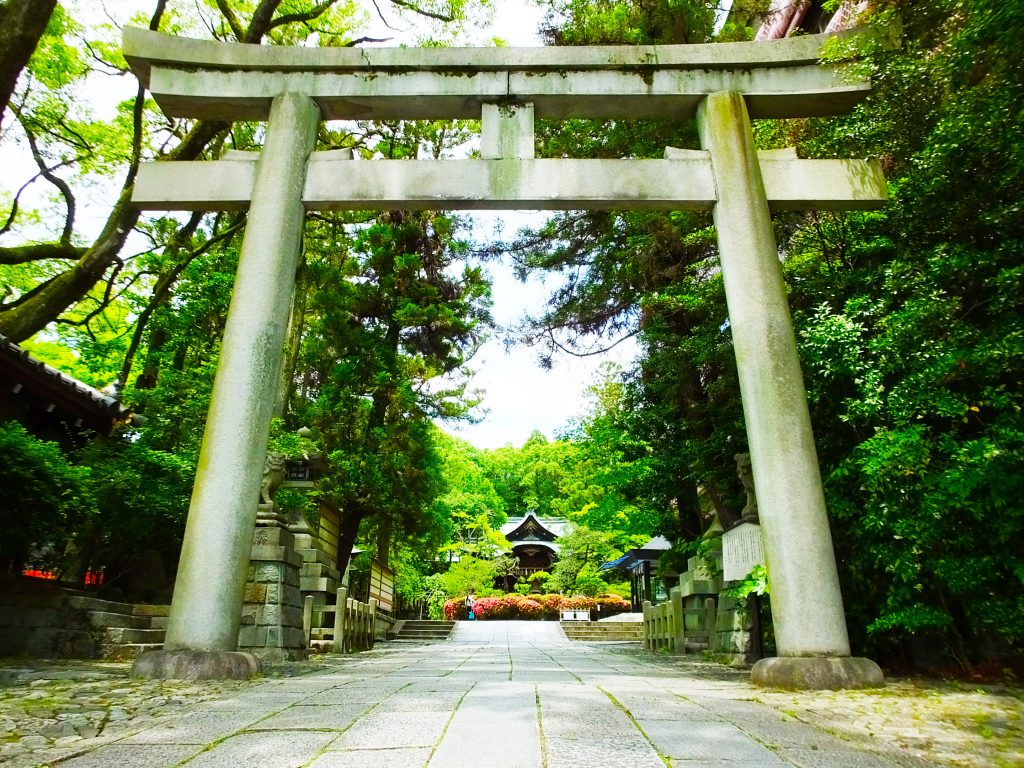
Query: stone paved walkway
x=496 y=695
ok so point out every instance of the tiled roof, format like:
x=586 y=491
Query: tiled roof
x=558 y=526
x=27 y=371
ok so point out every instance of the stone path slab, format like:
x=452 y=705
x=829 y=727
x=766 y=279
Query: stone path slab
x=496 y=695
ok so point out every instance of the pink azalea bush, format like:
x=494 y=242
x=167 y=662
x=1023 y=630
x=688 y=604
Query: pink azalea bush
x=533 y=607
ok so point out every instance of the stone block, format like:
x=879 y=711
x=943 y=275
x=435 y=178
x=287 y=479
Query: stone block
x=817 y=673
x=255 y=592
x=150 y=755
x=697 y=740
x=294 y=637
x=273 y=594
x=273 y=537
x=196 y=665
x=268 y=614
x=291 y=616
x=704 y=588
x=292 y=597
x=252 y=637
x=271 y=572
x=276 y=554
x=151 y=610
x=309 y=584
x=404 y=757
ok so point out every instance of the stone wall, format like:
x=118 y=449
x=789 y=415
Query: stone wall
x=272 y=605
x=44 y=625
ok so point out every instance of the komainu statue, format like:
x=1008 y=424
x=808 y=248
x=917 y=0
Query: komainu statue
x=273 y=476
x=746 y=475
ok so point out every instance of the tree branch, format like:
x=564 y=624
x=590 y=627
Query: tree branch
x=261 y=19
x=422 y=11
x=552 y=341
x=23 y=254
x=231 y=19
x=380 y=13
x=138 y=108
x=59 y=183
x=313 y=13
x=167 y=281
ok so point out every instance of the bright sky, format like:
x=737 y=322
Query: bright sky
x=519 y=396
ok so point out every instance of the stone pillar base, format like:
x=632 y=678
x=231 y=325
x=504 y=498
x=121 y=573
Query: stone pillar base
x=809 y=673
x=196 y=665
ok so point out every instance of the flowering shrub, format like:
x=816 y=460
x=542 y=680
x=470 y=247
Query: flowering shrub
x=532 y=607
x=455 y=610
x=610 y=605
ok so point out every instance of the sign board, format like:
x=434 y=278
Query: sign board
x=741 y=550
x=575 y=615
x=382 y=586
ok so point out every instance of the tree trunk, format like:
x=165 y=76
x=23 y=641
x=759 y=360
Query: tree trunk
x=22 y=23
x=293 y=344
x=21 y=322
x=68 y=288
x=348 y=529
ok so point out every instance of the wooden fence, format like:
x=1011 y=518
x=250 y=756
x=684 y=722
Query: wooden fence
x=354 y=622
x=666 y=627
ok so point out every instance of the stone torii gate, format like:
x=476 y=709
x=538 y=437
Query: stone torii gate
x=293 y=89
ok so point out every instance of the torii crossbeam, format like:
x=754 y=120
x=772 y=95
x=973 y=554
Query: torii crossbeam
x=722 y=85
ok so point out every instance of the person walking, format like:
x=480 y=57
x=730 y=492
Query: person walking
x=470 y=600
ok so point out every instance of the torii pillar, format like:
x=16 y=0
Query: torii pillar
x=807 y=606
x=202 y=634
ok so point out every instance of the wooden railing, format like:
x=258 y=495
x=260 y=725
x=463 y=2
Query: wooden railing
x=665 y=626
x=354 y=622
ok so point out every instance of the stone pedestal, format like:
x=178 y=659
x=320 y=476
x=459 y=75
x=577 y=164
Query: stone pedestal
x=318 y=550
x=699 y=582
x=733 y=628
x=272 y=606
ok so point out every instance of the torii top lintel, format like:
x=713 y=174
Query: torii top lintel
x=235 y=81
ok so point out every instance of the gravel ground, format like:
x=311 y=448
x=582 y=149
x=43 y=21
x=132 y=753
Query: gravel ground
x=950 y=724
x=54 y=710
x=914 y=721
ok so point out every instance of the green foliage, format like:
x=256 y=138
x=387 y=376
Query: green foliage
x=909 y=325
x=44 y=499
x=614 y=22
x=754 y=583
x=580 y=553
x=142 y=497
x=470 y=575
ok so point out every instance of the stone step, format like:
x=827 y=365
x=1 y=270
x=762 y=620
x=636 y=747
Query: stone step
x=85 y=603
x=421 y=630
x=639 y=630
x=145 y=609
x=604 y=634
x=129 y=636
x=127 y=651
x=606 y=638
x=103 y=619
x=600 y=631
